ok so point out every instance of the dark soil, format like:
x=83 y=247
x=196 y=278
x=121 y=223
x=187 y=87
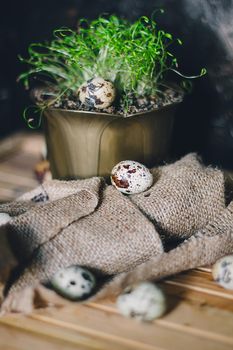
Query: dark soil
x=137 y=105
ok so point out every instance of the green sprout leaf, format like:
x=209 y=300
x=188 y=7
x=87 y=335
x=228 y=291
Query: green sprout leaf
x=32 y=115
x=134 y=56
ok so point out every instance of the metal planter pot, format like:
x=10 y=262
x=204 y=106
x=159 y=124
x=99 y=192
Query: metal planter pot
x=84 y=144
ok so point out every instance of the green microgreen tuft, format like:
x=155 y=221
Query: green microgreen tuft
x=135 y=57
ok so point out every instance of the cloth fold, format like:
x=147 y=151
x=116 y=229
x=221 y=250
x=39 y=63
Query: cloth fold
x=40 y=223
x=203 y=248
x=88 y=223
x=185 y=196
x=115 y=238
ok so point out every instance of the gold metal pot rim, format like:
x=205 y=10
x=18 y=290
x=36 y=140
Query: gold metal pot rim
x=171 y=105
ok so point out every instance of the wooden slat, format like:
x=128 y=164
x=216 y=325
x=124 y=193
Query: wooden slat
x=45 y=335
x=107 y=324
x=205 y=322
x=118 y=339
x=14 y=339
x=199 y=286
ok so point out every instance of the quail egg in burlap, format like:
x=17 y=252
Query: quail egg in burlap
x=73 y=282
x=130 y=177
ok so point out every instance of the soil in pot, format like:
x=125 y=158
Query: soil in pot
x=137 y=104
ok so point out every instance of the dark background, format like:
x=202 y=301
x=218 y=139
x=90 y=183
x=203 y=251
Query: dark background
x=204 y=122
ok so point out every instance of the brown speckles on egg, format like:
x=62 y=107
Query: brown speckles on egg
x=138 y=177
x=132 y=171
x=97 y=92
x=91 y=87
x=121 y=183
x=94 y=87
x=98 y=102
x=223 y=272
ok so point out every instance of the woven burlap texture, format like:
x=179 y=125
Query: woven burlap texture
x=37 y=225
x=205 y=247
x=115 y=233
x=185 y=196
x=50 y=236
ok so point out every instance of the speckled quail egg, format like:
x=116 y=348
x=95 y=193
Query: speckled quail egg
x=4 y=218
x=131 y=177
x=97 y=92
x=143 y=301
x=73 y=282
x=222 y=272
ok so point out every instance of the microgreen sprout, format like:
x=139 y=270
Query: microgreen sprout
x=134 y=57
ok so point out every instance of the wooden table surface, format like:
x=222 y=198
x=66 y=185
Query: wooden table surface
x=200 y=316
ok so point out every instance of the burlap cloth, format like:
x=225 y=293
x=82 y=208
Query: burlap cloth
x=88 y=223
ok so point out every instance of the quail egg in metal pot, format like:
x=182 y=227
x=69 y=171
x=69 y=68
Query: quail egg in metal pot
x=222 y=272
x=98 y=93
x=73 y=282
x=131 y=177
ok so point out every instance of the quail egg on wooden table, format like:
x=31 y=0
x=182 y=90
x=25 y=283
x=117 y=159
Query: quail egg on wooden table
x=74 y=282
x=97 y=92
x=143 y=302
x=222 y=272
x=131 y=177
